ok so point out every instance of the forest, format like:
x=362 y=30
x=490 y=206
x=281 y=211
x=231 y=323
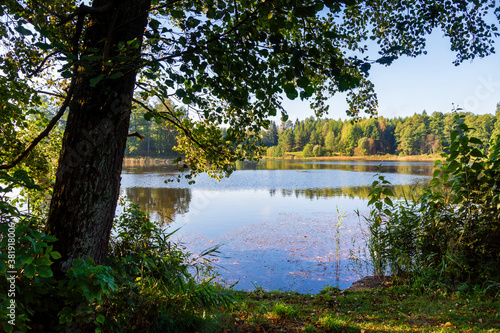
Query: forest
x=405 y=136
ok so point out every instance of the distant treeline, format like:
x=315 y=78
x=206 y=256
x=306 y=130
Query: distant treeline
x=415 y=135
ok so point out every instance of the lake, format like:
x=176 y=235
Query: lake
x=282 y=224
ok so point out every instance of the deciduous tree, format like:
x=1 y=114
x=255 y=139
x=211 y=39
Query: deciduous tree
x=229 y=62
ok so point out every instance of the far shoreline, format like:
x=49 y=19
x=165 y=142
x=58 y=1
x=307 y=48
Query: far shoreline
x=156 y=161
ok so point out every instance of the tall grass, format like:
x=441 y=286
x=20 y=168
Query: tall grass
x=447 y=237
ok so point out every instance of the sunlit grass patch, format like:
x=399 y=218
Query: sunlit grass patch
x=331 y=322
x=284 y=310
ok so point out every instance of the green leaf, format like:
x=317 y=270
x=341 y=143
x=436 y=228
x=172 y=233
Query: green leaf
x=43 y=261
x=116 y=75
x=308 y=11
x=388 y=201
x=148 y=116
x=44 y=271
x=476 y=141
x=180 y=93
x=29 y=271
x=43 y=46
x=23 y=31
x=303 y=82
x=434 y=182
x=476 y=153
x=453 y=165
x=150 y=75
x=3 y=267
x=100 y=319
x=290 y=91
x=388 y=192
x=211 y=13
x=386 y=60
x=154 y=24
x=192 y=22
x=365 y=67
x=96 y=80
x=25 y=259
x=55 y=255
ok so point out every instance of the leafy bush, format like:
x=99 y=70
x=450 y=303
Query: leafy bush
x=161 y=280
x=149 y=282
x=317 y=151
x=448 y=236
x=308 y=150
x=275 y=151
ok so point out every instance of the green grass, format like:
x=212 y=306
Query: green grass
x=394 y=309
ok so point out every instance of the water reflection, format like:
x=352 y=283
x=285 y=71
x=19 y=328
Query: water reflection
x=162 y=204
x=413 y=168
x=355 y=192
x=278 y=220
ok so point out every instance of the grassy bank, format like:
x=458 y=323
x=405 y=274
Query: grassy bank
x=383 y=309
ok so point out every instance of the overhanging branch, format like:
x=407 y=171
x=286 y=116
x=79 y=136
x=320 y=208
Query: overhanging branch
x=45 y=132
x=173 y=122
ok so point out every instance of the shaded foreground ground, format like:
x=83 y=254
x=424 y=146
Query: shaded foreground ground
x=364 y=309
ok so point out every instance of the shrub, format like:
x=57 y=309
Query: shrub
x=449 y=235
x=308 y=150
x=149 y=283
x=317 y=151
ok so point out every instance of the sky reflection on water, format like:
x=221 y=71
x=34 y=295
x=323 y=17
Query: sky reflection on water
x=277 y=220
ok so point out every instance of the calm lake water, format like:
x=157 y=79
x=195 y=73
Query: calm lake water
x=289 y=225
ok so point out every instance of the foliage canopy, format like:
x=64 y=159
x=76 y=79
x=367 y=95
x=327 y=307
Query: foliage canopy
x=229 y=62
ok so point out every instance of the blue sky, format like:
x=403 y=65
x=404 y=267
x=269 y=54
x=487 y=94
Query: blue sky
x=429 y=82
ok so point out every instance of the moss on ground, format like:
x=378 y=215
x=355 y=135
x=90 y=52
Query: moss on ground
x=389 y=309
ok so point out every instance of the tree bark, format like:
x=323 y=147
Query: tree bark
x=88 y=176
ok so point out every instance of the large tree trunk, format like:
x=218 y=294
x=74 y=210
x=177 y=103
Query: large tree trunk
x=88 y=176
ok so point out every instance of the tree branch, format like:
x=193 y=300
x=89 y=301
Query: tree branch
x=173 y=122
x=40 y=66
x=50 y=93
x=45 y=132
x=216 y=37
x=136 y=134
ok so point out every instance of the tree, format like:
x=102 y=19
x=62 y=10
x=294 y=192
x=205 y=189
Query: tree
x=228 y=61
x=270 y=137
x=308 y=150
x=351 y=133
x=286 y=140
x=363 y=146
x=411 y=135
x=496 y=129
